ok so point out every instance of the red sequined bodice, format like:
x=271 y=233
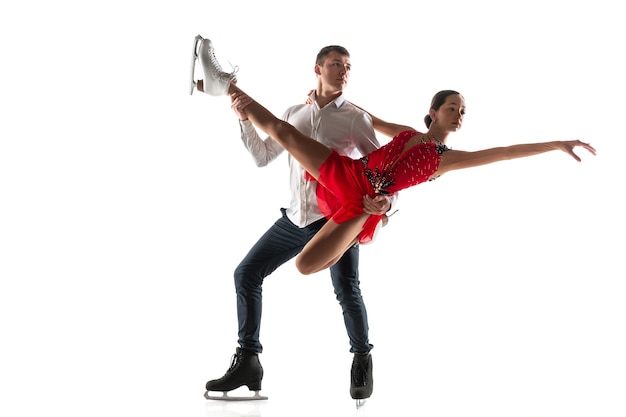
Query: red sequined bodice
x=387 y=170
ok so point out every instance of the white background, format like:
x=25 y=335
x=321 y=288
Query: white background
x=126 y=204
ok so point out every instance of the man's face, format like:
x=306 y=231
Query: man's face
x=335 y=71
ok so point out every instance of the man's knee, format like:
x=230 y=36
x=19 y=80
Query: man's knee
x=245 y=279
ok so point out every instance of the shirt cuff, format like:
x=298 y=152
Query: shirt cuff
x=246 y=126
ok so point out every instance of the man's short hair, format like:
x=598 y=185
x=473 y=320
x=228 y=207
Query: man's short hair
x=328 y=49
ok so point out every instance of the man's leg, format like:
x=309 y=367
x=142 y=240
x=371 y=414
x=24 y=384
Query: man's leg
x=345 y=278
x=280 y=243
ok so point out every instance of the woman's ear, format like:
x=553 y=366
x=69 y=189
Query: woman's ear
x=432 y=114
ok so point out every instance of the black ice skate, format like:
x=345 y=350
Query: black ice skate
x=361 y=378
x=245 y=369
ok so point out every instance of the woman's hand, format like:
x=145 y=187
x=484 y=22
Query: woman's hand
x=569 y=145
x=377 y=205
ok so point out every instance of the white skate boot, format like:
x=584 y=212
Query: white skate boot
x=216 y=80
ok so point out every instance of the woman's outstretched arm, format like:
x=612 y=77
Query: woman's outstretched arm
x=453 y=160
x=384 y=127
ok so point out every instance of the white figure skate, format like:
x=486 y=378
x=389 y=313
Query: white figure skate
x=216 y=80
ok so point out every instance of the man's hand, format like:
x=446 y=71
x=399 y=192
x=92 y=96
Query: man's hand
x=238 y=102
x=308 y=97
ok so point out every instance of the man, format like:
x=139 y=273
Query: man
x=335 y=122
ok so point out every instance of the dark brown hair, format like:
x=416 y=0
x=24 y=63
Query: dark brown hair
x=437 y=101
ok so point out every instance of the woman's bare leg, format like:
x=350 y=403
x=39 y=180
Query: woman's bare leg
x=329 y=244
x=307 y=151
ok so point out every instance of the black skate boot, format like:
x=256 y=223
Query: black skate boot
x=361 y=378
x=245 y=369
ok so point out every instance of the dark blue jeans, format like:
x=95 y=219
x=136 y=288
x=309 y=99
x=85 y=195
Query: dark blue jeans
x=282 y=242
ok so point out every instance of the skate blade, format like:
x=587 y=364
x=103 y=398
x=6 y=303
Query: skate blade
x=226 y=397
x=360 y=403
x=194 y=58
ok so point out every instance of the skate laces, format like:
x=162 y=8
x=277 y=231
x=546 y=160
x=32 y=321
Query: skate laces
x=229 y=76
x=234 y=363
x=221 y=73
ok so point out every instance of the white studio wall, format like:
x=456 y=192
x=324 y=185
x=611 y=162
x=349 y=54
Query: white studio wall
x=126 y=204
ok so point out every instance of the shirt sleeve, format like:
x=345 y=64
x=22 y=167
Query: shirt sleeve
x=263 y=151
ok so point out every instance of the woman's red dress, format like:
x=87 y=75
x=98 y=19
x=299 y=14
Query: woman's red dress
x=385 y=171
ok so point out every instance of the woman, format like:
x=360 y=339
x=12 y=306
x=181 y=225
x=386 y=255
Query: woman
x=409 y=159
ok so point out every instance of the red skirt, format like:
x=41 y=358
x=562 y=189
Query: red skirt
x=340 y=191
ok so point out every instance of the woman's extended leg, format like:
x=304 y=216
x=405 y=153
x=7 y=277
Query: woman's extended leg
x=307 y=151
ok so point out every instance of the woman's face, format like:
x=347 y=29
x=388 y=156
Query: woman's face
x=449 y=117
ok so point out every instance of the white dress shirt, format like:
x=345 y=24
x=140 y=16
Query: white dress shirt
x=339 y=125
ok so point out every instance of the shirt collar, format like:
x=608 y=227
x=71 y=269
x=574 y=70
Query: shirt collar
x=338 y=102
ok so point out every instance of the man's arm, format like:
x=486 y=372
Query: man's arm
x=263 y=151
